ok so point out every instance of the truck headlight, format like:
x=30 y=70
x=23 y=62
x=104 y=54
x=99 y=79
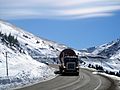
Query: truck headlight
x=77 y=67
x=64 y=67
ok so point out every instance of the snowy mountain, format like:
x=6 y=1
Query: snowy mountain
x=106 y=56
x=24 y=50
x=35 y=46
x=110 y=50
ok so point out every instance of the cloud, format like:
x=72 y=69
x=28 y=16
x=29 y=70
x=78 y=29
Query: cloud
x=57 y=9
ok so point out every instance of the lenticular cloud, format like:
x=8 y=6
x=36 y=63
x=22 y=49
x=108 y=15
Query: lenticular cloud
x=57 y=9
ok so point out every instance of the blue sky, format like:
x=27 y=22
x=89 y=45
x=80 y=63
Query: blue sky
x=78 y=24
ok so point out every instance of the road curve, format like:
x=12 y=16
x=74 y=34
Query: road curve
x=85 y=81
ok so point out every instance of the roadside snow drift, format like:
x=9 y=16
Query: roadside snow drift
x=22 y=69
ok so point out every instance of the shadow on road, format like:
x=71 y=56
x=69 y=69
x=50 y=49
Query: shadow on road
x=65 y=74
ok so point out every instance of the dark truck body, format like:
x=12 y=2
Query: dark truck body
x=69 y=62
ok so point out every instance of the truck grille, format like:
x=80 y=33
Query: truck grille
x=71 y=65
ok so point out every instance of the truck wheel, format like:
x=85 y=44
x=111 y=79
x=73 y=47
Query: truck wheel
x=60 y=70
x=77 y=74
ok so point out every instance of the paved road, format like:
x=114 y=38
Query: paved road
x=85 y=81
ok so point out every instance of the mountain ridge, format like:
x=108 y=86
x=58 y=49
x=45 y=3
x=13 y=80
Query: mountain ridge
x=27 y=38
x=109 y=50
x=22 y=48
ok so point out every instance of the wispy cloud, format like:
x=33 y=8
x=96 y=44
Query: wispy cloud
x=60 y=9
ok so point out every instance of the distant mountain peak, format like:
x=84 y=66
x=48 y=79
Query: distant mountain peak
x=110 y=50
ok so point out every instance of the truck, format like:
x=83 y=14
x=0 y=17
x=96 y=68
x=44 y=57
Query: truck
x=69 y=63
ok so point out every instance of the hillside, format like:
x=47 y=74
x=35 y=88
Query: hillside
x=110 y=50
x=24 y=50
x=106 y=56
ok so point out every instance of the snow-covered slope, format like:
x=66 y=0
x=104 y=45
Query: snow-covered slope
x=22 y=49
x=106 y=55
x=35 y=46
x=22 y=69
x=109 y=50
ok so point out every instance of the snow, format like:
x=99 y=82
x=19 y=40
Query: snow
x=23 y=69
x=36 y=44
x=107 y=64
x=110 y=50
x=111 y=53
x=94 y=71
x=116 y=56
x=111 y=76
x=25 y=72
x=101 y=48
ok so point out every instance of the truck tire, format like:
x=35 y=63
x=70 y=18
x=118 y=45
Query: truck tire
x=77 y=73
x=60 y=69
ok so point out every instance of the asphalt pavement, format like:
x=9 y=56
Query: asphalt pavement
x=85 y=81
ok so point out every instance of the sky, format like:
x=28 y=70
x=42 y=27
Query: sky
x=77 y=23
